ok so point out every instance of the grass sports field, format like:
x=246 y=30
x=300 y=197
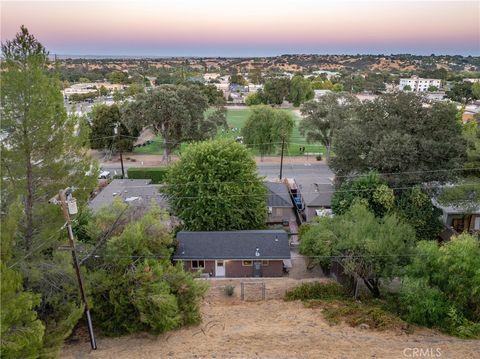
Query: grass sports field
x=236 y=119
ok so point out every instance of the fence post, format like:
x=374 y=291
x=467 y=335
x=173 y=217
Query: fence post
x=263 y=291
x=242 y=291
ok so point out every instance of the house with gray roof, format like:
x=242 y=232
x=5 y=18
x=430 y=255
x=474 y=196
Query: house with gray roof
x=135 y=192
x=279 y=203
x=316 y=196
x=256 y=253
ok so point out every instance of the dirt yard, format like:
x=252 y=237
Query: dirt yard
x=233 y=328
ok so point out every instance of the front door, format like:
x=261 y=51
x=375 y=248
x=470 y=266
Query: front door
x=257 y=269
x=219 y=269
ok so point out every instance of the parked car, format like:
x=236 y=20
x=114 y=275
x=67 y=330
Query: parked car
x=104 y=175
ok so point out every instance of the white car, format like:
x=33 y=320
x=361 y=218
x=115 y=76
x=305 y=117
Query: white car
x=104 y=175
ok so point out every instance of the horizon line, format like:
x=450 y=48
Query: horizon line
x=66 y=55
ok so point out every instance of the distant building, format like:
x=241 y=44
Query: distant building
x=472 y=80
x=418 y=84
x=209 y=76
x=83 y=88
x=328 y=74
x=320 y=93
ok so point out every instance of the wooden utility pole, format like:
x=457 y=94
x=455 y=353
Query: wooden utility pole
x=117 y=137
x=66 y=215
x=121 y=162
x=281 y=158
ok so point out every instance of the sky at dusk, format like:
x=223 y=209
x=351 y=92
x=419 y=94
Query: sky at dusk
x=247 y=27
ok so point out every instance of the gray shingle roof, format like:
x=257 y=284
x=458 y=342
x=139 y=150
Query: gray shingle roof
x=271 y=244
x=278 y=195
x=136 y=192
x=318 y=194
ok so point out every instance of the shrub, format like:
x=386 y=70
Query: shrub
x=356 y=314
x=421 y=304
x=156 y=174
x=228 y=290
x=317 y=290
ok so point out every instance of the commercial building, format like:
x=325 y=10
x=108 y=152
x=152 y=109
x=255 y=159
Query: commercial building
x=418 y=84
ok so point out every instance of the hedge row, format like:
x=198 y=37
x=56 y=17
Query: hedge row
x=156 y=174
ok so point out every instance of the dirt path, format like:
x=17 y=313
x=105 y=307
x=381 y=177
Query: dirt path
x=272 y=329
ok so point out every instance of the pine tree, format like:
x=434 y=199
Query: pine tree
x=21 y=332
x=42 y=152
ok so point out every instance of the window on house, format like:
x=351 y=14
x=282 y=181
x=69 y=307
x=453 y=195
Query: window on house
x=198 y=264
x=264 y=263
x=247 y=263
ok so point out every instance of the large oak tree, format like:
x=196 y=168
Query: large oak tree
x=400 y=136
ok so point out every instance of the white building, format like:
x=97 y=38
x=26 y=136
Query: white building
x=83 y=88
x=418 y=84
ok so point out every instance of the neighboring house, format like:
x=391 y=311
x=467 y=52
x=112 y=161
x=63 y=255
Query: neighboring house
x=460 y=220
x=316 y=196
x=254 y=87
x=279 y=203
x=418 y=84
x=312 y=199
x=136 y=192
x=234 y=254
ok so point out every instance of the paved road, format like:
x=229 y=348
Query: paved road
x=318 y=171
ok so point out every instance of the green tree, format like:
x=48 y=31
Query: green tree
x=471 y=132
x=236 y=79
x=368 y=247
x=134 y=89
x=448 y=276
x=407 y=88
x=174 y=112
x=276 y=90
x=322 y=84
x=214 y=96
x=396 y=135
x=337 y=87
x=117 y=77
x=370 y=190
x=254 y=98
x=300 y=90
x=134 y=285
x=118 y=96
x=255 y=76
x=103 y=121
x=215 y=187
x=42 y=152
x=461 y=92
x=103 y=91
x=414 y=205
x=266 y=128
x=323 y=117
x=476 y=91
x=432 y=88
x=21 y=331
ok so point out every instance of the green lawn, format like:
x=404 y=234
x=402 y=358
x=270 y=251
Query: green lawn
x=236 y=120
